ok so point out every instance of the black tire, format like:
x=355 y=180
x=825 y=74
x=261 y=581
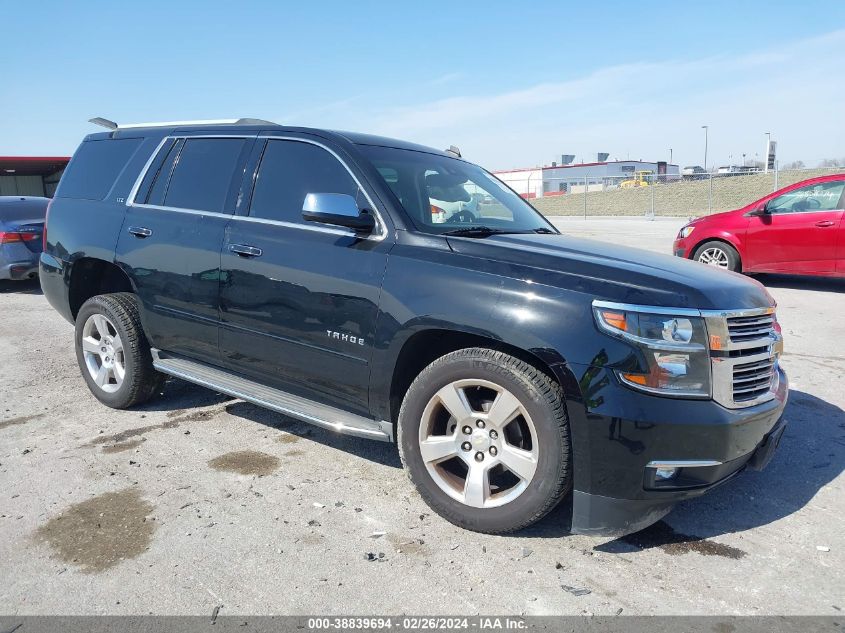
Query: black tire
x=140 y=381
x=540 y=396
x=729 y=251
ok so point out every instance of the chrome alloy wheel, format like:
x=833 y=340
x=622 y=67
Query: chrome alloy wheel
x=102 y=349
x=714 y=257
x=478 y=443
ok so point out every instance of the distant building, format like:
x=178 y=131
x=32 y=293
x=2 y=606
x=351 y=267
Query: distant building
x=555 y=180
x=31 y=175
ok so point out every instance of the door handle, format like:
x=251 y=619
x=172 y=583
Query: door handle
x=244 y=250
x=824 y=223
x=140 y=231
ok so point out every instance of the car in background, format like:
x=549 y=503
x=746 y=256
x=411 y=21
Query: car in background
x=798 y=229
x=736 y=170
x=693 y=172
x=21 y=231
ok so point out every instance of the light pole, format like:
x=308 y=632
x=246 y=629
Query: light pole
x=705 y=128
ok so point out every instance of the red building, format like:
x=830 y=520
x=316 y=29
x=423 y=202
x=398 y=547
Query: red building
x=31 y=175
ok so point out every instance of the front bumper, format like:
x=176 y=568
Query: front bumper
x=622 y=432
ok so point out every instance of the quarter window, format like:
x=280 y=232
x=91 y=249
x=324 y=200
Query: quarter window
x=289 y=171
x=203 y=174
x=823 y=196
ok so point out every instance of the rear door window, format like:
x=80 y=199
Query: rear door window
x=203 y=174
x=95 y=167
x=289 y=171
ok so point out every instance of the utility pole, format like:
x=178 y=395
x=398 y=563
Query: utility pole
x=705 y=128
x=585 y=197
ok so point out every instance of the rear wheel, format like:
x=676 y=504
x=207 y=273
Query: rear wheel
x=485 y=439
x=719 y=255
x=112 y=351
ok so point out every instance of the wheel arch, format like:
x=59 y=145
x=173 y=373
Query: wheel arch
x=91 y=276
x=426 y=345
x=724 y=239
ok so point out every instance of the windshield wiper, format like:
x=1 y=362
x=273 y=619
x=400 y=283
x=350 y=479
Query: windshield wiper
x=544 y=231
x=477 y=231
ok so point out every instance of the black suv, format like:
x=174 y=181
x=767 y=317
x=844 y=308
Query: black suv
x=396 y=292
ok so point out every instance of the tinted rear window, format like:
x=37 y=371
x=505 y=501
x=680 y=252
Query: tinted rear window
x=95 y=167
x=203 y=174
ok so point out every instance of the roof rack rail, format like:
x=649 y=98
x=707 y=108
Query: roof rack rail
x=111 y=125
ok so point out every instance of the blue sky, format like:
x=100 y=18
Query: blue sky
x=511 y=83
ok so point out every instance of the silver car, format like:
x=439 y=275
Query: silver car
x=21 y=228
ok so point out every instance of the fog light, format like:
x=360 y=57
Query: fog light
x=662 y=474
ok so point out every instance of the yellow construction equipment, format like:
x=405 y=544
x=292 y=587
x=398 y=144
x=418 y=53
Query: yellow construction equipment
x=640 y=179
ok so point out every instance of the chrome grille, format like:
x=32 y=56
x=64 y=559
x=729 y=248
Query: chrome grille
x=753 y=380
x=748 y=328
x=744 y=356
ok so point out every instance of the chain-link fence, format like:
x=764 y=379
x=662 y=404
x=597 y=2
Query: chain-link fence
x=648 y=194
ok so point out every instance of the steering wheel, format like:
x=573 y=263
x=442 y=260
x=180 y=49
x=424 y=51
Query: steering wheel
x=463 y=216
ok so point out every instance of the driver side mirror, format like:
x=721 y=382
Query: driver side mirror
x=338 y=209
x=761 y=211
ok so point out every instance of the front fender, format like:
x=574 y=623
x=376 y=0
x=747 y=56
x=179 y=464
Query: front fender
x=431 y=289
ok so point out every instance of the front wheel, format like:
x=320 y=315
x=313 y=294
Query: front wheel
x=112 y=351
x=718 y=254
x=484 y=437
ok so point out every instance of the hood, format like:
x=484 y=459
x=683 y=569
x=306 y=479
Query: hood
x=718 y=218
x=615 y=273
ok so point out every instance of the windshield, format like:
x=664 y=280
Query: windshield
x=446 y=195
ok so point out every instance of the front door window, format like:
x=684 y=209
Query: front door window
x=822 y=196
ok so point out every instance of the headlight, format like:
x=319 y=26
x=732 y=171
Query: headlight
x=675 y=360
x=685 y=232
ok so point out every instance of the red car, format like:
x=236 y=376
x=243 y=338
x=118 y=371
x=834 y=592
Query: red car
x=799 y=229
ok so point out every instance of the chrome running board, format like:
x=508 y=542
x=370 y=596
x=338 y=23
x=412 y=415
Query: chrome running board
x=295 y=406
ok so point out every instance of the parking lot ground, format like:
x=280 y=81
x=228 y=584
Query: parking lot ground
x=196 y=501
